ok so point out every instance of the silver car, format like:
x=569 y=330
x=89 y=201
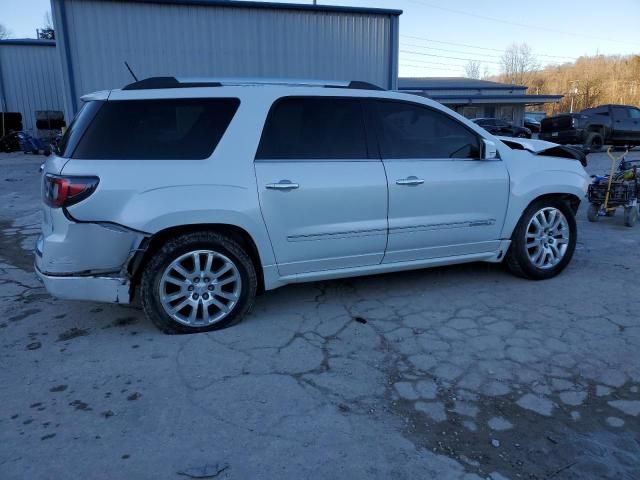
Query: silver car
x=193 y=195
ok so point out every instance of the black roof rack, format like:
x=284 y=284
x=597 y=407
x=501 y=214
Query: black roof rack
x=153 y=83
x=358 y=85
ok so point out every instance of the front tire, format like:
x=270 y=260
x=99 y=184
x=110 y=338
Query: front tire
x=198 y=282
x=544 y=240
x=593 y=212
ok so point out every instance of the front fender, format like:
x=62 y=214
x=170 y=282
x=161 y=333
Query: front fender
x=526 y=189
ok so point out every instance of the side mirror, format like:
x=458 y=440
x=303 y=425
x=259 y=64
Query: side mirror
x=489 y=151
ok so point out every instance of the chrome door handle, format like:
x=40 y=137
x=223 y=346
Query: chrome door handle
x=410 y=181
x=282 y=185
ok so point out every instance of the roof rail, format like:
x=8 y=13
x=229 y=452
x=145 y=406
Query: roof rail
x=153 y=83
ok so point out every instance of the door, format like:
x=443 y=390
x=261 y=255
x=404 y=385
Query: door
x=622 y=125
x=443 y=200
x=323 y=196
x=634 y=136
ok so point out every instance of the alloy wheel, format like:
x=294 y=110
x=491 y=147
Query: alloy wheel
x=547 y=238
x=200 y=288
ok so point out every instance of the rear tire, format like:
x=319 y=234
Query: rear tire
x=594 y=142
x=630 y=216
x=218 y=299
x=544 y=240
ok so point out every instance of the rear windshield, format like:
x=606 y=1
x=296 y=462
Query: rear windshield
x=172 y=129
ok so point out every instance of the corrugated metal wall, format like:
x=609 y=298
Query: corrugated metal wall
x=30 y=80
x=199 y=40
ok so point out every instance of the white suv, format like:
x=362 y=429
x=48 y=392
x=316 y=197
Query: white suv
x=194 y=195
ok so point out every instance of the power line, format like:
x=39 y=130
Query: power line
x=418 y=60
x=517 y=24
x=481 y=48
x=481 y=60
x=450 y=51
x=444 y=56
x=432 y=68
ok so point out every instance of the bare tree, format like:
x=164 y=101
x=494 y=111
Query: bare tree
x=518 y=62
x=47 y=32
x=4 y=33
x=472 y=69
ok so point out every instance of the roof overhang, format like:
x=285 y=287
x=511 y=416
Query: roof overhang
x=269 y=6
x=484 y=99
x=28 y=41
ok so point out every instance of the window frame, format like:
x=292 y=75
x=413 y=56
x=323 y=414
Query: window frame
x=373 y=113
x=371 y=145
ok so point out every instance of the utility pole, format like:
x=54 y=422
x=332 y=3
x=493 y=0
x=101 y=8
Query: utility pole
x=573 y=90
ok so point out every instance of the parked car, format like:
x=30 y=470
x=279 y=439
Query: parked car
x=196 y=195
x=532 y=124
x=617 y=125
x=496 y=126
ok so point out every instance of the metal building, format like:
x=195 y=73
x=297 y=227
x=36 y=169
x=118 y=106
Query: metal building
x=29 y=79
x=477 y=98
x=214 y=38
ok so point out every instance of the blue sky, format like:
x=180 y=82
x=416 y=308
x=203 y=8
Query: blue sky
x=437 y=38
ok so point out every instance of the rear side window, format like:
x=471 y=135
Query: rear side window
x=620 y=113
x=314 y=128
x=72 y=136
x=173 y=129
x=407 y=130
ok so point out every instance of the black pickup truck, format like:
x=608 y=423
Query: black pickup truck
x=617 y=125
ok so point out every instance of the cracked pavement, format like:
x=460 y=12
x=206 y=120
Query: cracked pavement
x=462 y=372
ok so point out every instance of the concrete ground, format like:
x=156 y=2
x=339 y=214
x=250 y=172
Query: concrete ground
x=452 y=373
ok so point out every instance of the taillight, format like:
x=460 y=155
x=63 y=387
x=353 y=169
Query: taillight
x=65 y=191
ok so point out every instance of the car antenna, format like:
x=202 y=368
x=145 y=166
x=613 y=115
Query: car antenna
x=130 y=71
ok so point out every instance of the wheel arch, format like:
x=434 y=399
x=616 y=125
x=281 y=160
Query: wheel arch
x=155 y=241
x=571 y=199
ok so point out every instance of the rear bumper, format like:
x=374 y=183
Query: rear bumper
x=563 y=137
x=89 y=288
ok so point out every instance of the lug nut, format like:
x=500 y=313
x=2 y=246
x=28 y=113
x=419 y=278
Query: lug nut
x=190 y=288
x=195 y=296
x=205 y=296
x=196 y=280
x=206 y=279
x=210 y=288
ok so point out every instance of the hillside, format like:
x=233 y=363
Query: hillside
x=590 y=81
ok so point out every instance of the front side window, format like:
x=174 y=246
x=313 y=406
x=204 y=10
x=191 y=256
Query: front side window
x=314 y=128
x=409 y=130
x=176 y=129
x=634 y=113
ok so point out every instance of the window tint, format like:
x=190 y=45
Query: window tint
x=180 y=129
x=74 y=133
x=314 y=128
x=634 y=113
x=413 y=131
x=620 y=113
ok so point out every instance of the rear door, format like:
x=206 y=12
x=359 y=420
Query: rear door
x=622 y=124
x=443 y=200
x=322 y=189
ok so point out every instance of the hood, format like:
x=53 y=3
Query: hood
x=544 y=148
